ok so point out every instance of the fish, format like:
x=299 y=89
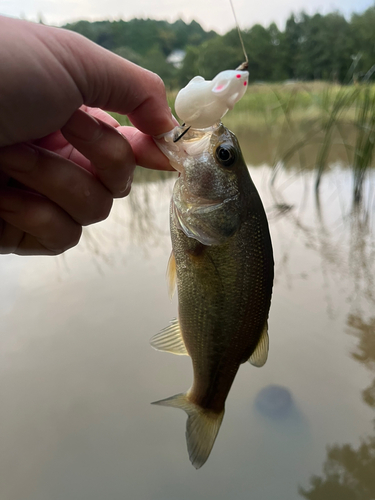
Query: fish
x=222 y=264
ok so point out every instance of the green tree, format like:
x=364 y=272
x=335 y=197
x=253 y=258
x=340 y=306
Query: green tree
x=278 y=70
x=310 y=47
x=324 y=47
x=210 y=58
x=290 y=47
x=259 y=43
x=130 y=55
x=155 y=61
x=363 y=36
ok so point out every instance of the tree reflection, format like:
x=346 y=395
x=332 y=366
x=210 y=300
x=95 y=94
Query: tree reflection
x=327 y=224
x=141 y=219
x=365 y=351
x=349 y=473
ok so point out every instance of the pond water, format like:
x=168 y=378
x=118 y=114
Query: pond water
x=77 y=374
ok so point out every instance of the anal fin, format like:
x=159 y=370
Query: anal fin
x=170 y=339
x=260 y=354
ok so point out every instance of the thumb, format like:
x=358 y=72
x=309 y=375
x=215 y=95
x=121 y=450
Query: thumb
x=109 y=82
x=51 y=72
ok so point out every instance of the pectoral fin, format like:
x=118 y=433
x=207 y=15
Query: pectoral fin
x=170 y=340
x=171 y=275
x=260 y=355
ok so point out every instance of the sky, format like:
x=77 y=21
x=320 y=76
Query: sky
x=216 y=15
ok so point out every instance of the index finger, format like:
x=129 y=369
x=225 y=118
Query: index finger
x=105 y=147
x=146 y=153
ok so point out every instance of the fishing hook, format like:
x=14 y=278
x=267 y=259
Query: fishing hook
x=181 y=135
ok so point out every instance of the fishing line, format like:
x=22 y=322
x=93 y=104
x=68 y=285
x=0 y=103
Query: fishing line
x=242 y=67
x=245 y=64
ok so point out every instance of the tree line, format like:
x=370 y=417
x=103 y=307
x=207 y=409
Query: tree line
x=317 y=47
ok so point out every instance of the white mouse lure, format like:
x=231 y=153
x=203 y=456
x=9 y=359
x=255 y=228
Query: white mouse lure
x=202 y=103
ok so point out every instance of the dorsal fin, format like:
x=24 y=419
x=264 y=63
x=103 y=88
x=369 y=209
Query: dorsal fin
x=260 y=355
x=170 y=339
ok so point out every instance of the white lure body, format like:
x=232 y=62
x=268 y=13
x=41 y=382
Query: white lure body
x=202 y=103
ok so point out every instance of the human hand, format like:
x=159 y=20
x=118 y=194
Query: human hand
x=62 y=158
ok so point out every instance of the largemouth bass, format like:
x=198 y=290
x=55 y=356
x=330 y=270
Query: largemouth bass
x=223 y=264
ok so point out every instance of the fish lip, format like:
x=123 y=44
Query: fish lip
x=181 y=152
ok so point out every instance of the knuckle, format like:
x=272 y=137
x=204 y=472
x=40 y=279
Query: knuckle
x=120 y=151
x=56 y=234
x=19 y=159
x=41 y=217
x=118 y=156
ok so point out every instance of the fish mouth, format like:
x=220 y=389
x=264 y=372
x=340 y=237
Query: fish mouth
x=182 y=152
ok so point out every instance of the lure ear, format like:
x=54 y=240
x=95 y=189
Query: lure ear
x=197 y=79
x=221 y=86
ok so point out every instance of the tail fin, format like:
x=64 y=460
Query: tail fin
x=202 y=427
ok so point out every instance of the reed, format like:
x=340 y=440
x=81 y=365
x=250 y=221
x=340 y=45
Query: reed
x=365 y=141
x=332 y=110
x=314 y=113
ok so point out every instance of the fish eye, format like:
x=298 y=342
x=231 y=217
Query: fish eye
x=226 y=155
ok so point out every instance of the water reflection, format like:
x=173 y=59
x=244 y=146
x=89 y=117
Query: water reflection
x=77 y=374
x=349 y=472
x=340 y=233
x=139 y=220
x=313 y=235
x=265 y=146
x=274 y=402
x=365 y=353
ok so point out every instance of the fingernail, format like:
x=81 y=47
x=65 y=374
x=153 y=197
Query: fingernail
x=126 y=189
x=175 y=121
x=83 y=126
x=21 y=157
